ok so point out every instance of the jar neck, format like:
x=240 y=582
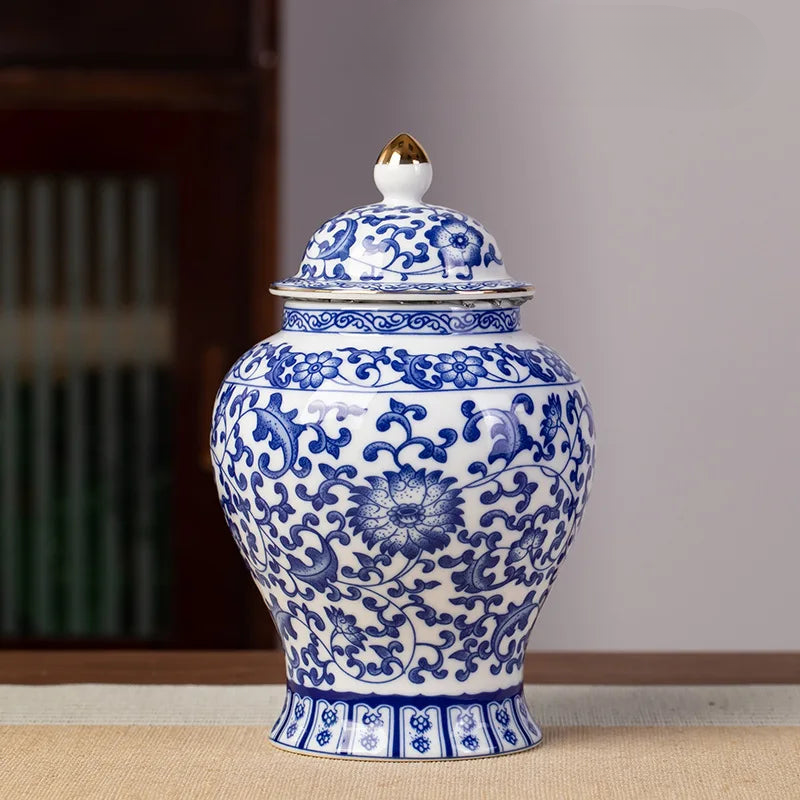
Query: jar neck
x=438 y=319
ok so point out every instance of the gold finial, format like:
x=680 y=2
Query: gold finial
x=403 y=149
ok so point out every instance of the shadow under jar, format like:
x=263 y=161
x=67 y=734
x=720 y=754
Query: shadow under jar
x=403 y=470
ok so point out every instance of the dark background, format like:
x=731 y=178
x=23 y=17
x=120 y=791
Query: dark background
x=160 y=116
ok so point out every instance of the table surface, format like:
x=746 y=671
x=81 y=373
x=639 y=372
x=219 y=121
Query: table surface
x=551 y=705
x=149 y=742
x=121 y=735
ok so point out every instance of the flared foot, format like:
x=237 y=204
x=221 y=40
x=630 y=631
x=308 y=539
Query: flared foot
x=338 y=725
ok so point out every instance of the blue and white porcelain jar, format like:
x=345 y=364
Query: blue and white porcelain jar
x=403 y=470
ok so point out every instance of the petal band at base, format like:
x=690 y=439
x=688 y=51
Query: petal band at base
x=335 y=724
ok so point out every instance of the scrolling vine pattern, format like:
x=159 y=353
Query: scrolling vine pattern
x=383 y=243
x=345 y=547
x=315 y=320
x=282 y=366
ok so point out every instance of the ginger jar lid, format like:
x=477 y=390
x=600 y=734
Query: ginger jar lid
x=402 y=247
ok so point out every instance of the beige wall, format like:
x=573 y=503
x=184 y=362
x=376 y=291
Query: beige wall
x=640 y=164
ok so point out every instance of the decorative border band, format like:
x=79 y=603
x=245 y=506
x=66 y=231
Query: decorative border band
x=485 y=364
x=343 y=725
x=427 y=322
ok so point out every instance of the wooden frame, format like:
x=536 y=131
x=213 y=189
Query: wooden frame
x=266 y=666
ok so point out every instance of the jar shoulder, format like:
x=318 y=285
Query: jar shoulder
x=374 y=362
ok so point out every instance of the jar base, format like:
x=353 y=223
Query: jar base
x=397 y=727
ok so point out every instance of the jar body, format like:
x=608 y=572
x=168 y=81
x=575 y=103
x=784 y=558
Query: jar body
x=403 y=482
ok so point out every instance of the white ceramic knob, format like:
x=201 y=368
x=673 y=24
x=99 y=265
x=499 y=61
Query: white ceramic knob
x=403 y=172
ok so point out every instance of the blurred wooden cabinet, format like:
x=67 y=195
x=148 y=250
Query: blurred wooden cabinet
x=138 y=156
x=146 y=34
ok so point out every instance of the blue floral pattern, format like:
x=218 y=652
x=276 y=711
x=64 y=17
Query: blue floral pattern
x=381 y=245
x=460 y=369
x=407 y=511
x=552 y=418
x=421 y=744
x=528 y=546
x=459 y=244
x=329 y=717
x=421 y=723
x=555 y=363
x=465 y=720
x=314 y=368
x=345 y=625
x=343 y=552
x=323 y=737
x=358 y=369
x=372 y=720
